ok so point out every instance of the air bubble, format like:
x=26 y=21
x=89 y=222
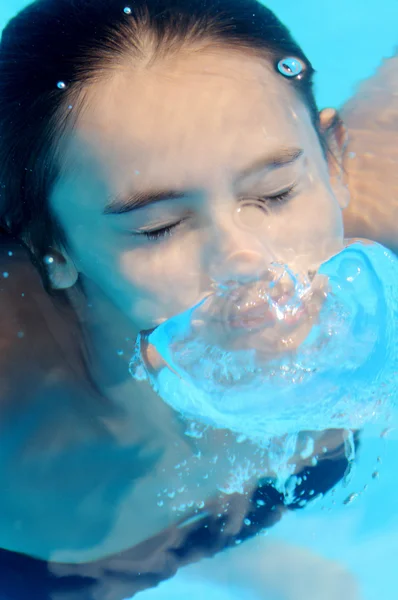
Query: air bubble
x=61 y=85
x=290 y=67
x=251 y=214
x=350 y=498
x=6 y=275
x=127 y=10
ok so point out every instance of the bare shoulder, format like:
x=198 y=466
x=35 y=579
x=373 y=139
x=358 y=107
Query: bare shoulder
x=26 y=344
x=375 y=104
x=36 y=341
x=371 y=117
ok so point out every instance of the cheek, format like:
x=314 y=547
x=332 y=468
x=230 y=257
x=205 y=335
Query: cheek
x=311 y=226
x=165 y=278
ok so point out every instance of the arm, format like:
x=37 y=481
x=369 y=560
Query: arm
x=371 y=163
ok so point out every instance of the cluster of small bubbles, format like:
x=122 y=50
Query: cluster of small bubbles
x=238 y=478
x=61 y=85
x=127 y=10
x=195 y=431
x=6 y=274
x=354 y=495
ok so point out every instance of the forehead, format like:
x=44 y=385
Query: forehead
x=182 y=111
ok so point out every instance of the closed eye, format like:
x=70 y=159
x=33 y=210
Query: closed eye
x=281 y=196
x=160 y=232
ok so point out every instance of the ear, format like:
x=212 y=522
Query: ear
x=61 y=271
x=336 y=137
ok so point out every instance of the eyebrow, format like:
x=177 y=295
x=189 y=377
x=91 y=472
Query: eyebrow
x=121 y=204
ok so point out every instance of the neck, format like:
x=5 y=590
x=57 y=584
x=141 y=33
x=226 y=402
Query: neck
x=108 y=336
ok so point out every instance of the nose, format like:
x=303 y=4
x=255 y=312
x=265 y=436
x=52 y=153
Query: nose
x=241 y=266
x=236 y=256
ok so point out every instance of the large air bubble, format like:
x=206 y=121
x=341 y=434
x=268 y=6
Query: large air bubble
x=284 y=353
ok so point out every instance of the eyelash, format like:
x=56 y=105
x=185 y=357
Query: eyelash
x=163 y=232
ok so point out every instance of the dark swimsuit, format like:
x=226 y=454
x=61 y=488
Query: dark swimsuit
x=123 y=575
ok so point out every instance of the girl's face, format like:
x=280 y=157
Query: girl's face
x=159 y=166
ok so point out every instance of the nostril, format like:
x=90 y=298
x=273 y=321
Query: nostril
x=239 y=267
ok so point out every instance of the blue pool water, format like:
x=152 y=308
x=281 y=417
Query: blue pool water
x=345 y=546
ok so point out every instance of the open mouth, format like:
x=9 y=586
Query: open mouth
x=262 y=317
x=251 y=318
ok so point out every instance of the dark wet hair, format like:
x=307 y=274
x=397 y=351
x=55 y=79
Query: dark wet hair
x=75 y=41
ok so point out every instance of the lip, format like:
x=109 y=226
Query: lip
x=252 y=317
x=261 y=317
